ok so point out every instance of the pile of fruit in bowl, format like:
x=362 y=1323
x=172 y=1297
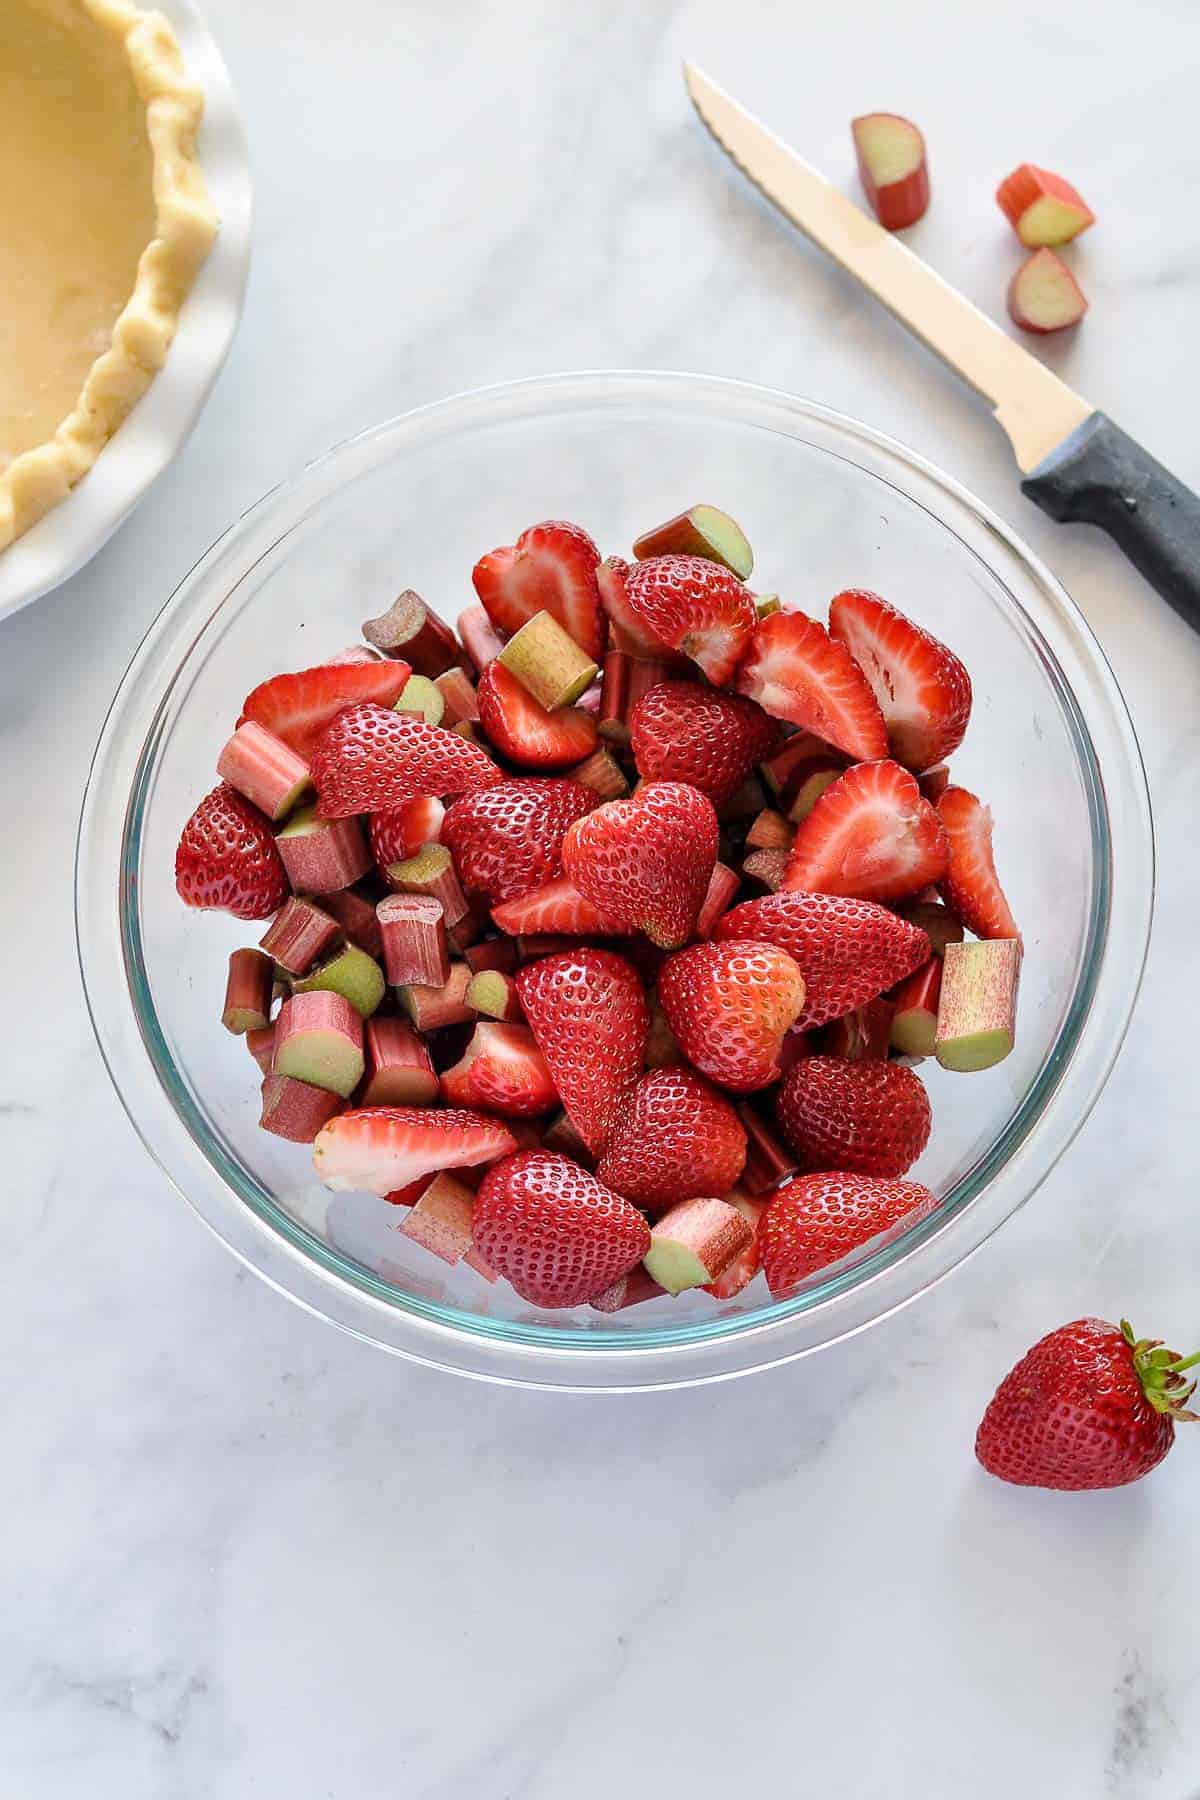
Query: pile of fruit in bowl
x=607 y=932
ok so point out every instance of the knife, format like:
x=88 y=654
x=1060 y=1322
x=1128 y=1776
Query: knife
x=1077 y=464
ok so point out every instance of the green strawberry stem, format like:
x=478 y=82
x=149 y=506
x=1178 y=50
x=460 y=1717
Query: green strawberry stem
x=1160 y=1372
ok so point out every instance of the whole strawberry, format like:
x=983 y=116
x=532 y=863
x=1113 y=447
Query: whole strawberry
x=680 y=731
x=507 y=839
x=817 y=1219
x=227 y=858
x=695 y=606
x=675 y=1138
x=370 y=757
x=647 y=861
x=587 y=1011
x=553 y=1230
x=1090 y=1406
x=871 y=1117
x=730 y=1006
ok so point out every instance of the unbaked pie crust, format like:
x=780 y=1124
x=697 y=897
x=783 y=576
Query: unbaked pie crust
x=106 y=222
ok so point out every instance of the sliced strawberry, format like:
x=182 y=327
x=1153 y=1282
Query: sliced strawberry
x=681 y=731
x=970 y=883
x=872 y=835
x=298 y=707
x=381 y=1149
x=848 y=950
x=796 y=671
x=923 y=691
x=818 y=1219
x=398 y=832
x=557 y=1233
x=625 y=629
x=506 y=840
x=730 y=1006
x=551 y=568
x=370 y=758
x=588 y=1012
x=557 y=907
x=227 y=858
x=675 y=1138
x=503 y=1071
x=647 y=861
x=524 y=731
x=869 y=1117
x=693 y=605
x=745 y=1265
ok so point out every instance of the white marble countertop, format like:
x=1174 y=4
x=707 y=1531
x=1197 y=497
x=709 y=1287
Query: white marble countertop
x=244 y=1555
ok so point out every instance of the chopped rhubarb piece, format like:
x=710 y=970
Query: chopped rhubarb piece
x=859 y=1036
x=561 y=1136
x=766 y=866
x=723 y=884
x=479 y=637
x=296 y=1110
x=770 y=831
x=940 y=925
x=422 y=697
x=495 y=994
x=915 y=1015
x=465 y=931
x=398 y=1069
x=1042 y=208
x=766 y=604
x=626 y=678
x=414 y=940
x=459 y=705
x=410 y=630
x=745 y=802
x=627 y=1290
x=475 y=1261
x=1043 y=296
x=261 y=1045
x=694 y=1242
x=934 y=782
x=801 y=747
x=299 y=935
x=263 y=769
x=744 y=1267
x=768 y=1159
x=351 y=973
x=548 y=663
x=701 y=531
x=355 y=913
x=319 y=1039
x=662 y=1048
x=805 y=785
x=977 y=1012
x=892 y=168
x=502 y=1071
x=494 y=953
x=248 y=991
x=440 y=1221
x=322 y=856
x=603 y=774
x=431 y=871
x=430 y=1008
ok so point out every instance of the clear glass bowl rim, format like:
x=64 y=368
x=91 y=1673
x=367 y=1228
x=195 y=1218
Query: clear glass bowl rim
x=317 y=1277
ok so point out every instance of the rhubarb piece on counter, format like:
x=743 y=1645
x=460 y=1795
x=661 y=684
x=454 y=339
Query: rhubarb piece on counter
x=423 y=698
x=398 y=1069
x=351 y=973
x=320 y=855
x=551 y=568
x=723 y=884
x=862 y=1035
x=969 y=881
x=264 y=770
x=1042 y=208
x=796 y=671
x=915 y=1010
x=413 y=927
x=493 y=953
x=627 y=1290
x=548 y=663
x=382 y=1149
x=248 y=991
x=299 y=935
x=479 y=637
x=494 y=994
x=694 y=606
x=300 y=707
x=430 y=1008
x=355 y=913
x=503 y=1071
x=940 y=925
x=294 y=1109
x=603 y=774
x=767 y=866
x=261 y=1045
x=527 y=733
x=431 y=872
x=700 y=531
x=226 y=857
x=459 y=705
x=892 y=167
x=693 y=1243
x=768 y=1159
x=977 y=1012
x=1044 y=296
x=410 y=630
x=770 y=831
x=440 y=1221
x=319 y=1039
x=741 y=1271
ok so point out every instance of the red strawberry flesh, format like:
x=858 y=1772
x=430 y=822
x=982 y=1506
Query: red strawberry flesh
x=872 y=835
x=923 y=690
x=796 y=671
x=551 y=568
x=299 y=706
x=380 y=1149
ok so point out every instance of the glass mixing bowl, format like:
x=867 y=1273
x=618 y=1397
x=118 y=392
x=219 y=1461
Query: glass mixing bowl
x=827 y=504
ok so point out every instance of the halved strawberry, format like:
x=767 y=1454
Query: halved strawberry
x=588 y=1012
x=871 y=1117
x=970 y=883
x=524 y=731
x=558 y=907
x=370 y=758
x=625 y=629
x=227 y=858
x=818 y=1219
x=551 y=568
x=872 y=835
x=503 y=1071
x=730 y=1006
x=557 y=1233
x=380 y=1149
x=745 y=1265
x=506 y=840
x=398 y=832
x=675 y=1138
x=681 y=731
x=298 y=707
x=647 y=861
x=796 y=671
x=923 y=690
x=693 y=605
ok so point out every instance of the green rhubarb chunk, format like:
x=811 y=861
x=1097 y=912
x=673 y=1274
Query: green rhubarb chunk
x=423 y=697
x=351 y=973
x=976 y=1023
x=303 y=823
x=324 y=1058
x=674 y=1266
x=548 y=662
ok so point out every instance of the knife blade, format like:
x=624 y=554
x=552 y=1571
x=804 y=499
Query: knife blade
x=1078 y=465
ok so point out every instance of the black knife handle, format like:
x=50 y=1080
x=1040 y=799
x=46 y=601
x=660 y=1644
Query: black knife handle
x=1102 y=477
